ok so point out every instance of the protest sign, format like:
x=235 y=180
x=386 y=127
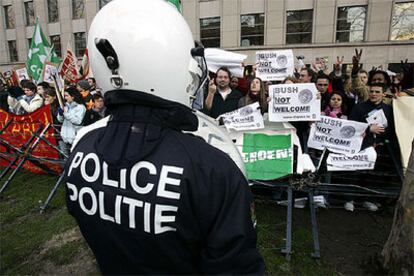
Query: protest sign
x=363 y=160
x=294 y=102
x=21 y=130
x=49 y=70
x=377 y=116
x=337 y=135
x=274 y=65
x=267 y=157
x=21 y=73
x=248 y=117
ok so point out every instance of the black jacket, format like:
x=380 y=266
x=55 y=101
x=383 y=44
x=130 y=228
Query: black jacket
x=362 y=111
x=189 y=201
x=221 y=106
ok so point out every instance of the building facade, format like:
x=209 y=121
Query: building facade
x=383 y=29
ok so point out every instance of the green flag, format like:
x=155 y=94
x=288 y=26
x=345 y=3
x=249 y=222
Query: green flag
x=267 y=157
x=177 y=4
x=39 y=52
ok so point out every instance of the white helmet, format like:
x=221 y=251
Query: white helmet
x=146 y=46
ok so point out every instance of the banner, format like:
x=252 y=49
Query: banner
x=248 y=117
x=267 y=157
x=69 y=67
x=274 y=65
x=49 y=71
x=39 y=52
x=294 y=102
x=22 y=128
x=217 y=58
x=403 y=119
x=363 y=160
x=337 y=135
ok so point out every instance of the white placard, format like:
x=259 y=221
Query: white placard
x=294 y=102
x=22 y=74
x=274 y=65
x=363 y=160
x=337 y=135
x=377 y=117
x=248 y=117
x=48 y=71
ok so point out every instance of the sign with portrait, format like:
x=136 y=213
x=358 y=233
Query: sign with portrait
x=363 y=160
x=337 y=135
x=294 y=102
x=274 y=65
x=248 y=117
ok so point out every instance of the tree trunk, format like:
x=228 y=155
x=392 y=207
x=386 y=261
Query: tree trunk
x=398 y=251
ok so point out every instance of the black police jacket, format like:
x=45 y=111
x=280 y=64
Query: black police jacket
x=150 y=199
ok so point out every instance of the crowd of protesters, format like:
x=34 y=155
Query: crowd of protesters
x=82 y=105
x=352 y=95
x=346 y=94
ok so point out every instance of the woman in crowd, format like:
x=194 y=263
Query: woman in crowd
x=256 y=93
x=71 y=117
x=337 y=106
x=27 y=103
x=41 y=88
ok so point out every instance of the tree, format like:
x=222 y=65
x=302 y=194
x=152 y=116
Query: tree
x=398 y=251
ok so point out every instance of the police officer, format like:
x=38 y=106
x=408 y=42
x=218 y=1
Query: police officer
x=148 y=198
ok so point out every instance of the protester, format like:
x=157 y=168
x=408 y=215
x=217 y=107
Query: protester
x=50 y=99
x=379 y=76
x=256 y=93
x=169 y=203
x=97 y=112
x=92 y=85
x=71 y=117
x=41 y=87
x=336 y=107
x=306 y=75
x=29 y=102
x=376 y=134
x=322 y=85
x=290 y=80
x=83 y=87
x=3 y=97
x=221 y=98
x=98 y=105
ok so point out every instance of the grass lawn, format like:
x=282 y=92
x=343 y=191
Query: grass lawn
x=49 y=243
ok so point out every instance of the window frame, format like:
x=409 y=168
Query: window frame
x=49 y=13
x=7 y=17
x=75 y=16
x=79 y=52
x=392 y=20
x=30 y=19
x=253 y=34
x=350 y=30
x=302 y=33
x=13 y=57
x=211 y=38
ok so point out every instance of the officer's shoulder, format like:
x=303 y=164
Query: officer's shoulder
x=88 y=129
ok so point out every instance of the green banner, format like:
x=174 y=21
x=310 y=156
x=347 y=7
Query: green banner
x=39 y=52
x=267 y=157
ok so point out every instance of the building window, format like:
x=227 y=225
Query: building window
x=53 y=11
x=80 y=43
x=210 y=31
x=299 y=26
x=30 y=14
x=402 y=26
x=78 y=9
x=9 y=16
x=29 y=42
x=55 y=41
x=102 y=3
x=351 y=24
x=252 y=29
x=13 y=51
